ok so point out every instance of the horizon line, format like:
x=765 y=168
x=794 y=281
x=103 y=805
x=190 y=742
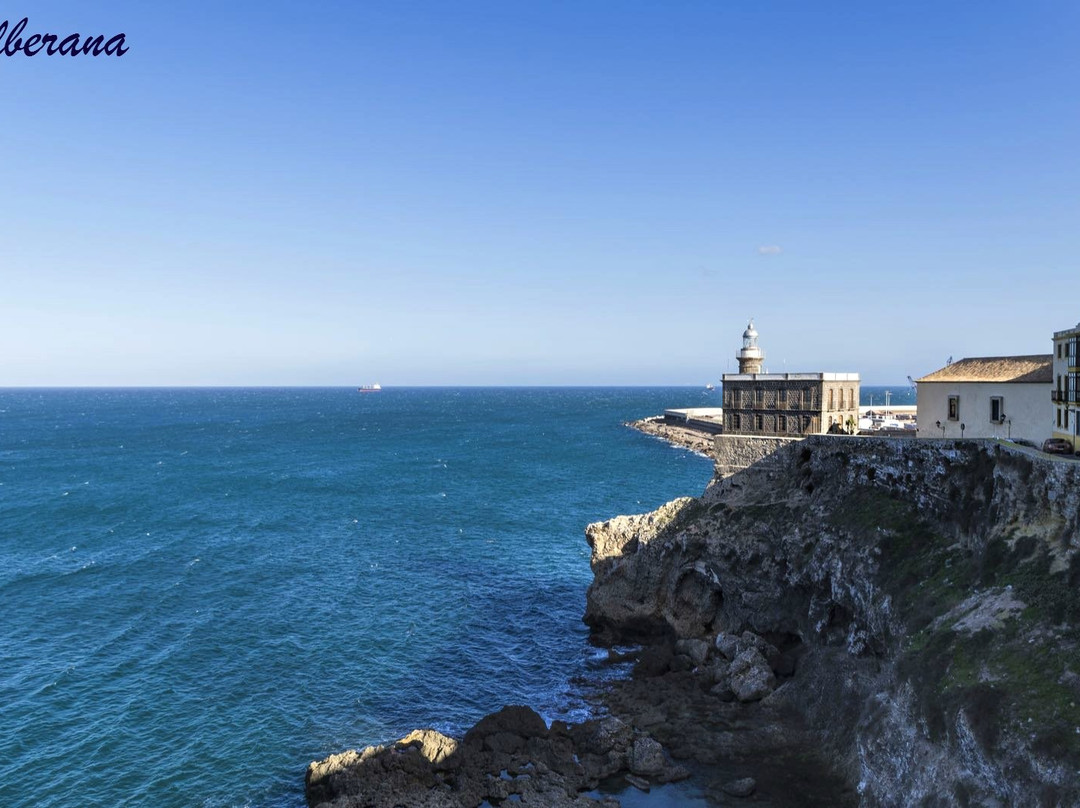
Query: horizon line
x=384 y=388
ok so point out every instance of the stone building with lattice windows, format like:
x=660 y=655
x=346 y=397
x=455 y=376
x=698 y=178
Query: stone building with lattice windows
x=786 y=404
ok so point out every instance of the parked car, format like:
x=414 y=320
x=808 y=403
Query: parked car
x=1057 y=446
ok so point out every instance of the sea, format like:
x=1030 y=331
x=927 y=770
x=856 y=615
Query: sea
x=202 y=590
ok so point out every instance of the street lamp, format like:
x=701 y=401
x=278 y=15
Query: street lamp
x=962 y=428
x=941 y=426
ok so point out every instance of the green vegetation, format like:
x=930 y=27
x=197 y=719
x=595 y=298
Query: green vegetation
x=1013 y=678
x=924 y=573
x=1000 y=678
x=1051 y=597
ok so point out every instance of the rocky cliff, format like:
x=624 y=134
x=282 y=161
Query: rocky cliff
x=911 y=609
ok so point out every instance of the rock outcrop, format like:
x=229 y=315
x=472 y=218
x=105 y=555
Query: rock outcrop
x=509 y=755
x=909 y=609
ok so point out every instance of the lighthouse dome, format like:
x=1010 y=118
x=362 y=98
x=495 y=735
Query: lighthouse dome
x=750 y=336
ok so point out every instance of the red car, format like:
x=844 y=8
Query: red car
x=1057 y=446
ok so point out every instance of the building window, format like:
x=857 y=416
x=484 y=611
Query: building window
x=806 y=401
x=997 y=409
x=851 y=399
x=783 y=423
x=832 y=401
x=1059 y=350
x=954 y=408
x=783 y=395
x=1059 y=416
x=806 y=423
x=735 y=421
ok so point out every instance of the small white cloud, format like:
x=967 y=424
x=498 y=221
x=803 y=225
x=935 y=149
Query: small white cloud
x=769 y=249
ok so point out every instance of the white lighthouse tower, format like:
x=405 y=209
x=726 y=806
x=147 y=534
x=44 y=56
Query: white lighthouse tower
x=750 y=357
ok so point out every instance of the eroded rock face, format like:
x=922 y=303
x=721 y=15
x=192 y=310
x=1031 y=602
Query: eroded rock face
x=690 y=590
x=914 y=603
x=510 y=752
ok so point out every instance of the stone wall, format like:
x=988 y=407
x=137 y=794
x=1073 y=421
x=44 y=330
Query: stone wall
x=734 y=453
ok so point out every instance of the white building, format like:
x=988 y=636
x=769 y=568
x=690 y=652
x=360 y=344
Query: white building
x=1066 y=392
x=987 y=397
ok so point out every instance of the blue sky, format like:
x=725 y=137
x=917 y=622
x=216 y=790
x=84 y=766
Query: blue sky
x=535 y=193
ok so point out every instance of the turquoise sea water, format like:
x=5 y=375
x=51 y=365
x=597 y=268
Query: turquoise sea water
x=203 y=590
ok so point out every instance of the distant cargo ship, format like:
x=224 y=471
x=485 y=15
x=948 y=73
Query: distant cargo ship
x=370 y=388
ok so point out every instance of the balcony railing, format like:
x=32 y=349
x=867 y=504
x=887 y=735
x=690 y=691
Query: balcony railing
x=1063 y=397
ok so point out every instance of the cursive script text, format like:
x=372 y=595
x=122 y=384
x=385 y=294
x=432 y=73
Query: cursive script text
x=53 y=44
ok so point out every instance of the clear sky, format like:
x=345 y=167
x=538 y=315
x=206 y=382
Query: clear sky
x=574 y=192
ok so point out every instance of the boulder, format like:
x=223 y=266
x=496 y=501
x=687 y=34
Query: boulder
x=749 y=639
x=602 y=747
x=522 y=722
x=647 y=757
x=727 y=645
x=743 y=787
x=751 y=677
x=602 y=736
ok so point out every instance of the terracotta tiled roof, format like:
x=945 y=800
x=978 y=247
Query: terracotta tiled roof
x=1035 y=369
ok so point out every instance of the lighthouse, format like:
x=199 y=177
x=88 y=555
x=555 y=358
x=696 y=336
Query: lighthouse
x=750 y=357
x=785 y=405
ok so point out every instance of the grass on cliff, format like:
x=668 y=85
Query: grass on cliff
x=1007 y=680
x=1014 y=679
x=925 y=573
